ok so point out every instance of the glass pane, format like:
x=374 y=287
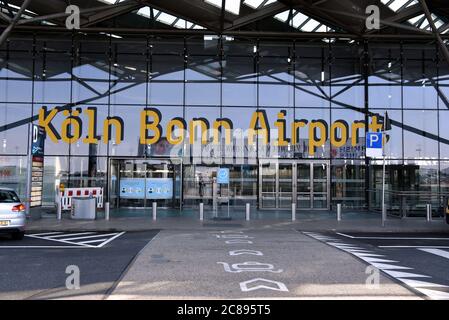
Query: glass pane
x=268 y=186
x=303 y=186
x=285 y=185
x=320 y=186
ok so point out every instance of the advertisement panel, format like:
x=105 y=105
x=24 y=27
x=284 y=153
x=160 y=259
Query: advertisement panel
x=151 y=188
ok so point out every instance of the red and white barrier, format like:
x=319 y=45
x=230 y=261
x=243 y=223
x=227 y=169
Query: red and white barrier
x=66 y=196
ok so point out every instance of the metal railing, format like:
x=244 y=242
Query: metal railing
x=410 y=203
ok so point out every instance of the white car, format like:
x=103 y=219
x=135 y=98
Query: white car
x=12 y=214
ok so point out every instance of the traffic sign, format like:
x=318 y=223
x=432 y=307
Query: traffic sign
x=374 y=142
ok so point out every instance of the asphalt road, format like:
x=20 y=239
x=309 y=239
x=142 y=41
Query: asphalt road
x=419 y=261
x=35 y=268
x=238 y=263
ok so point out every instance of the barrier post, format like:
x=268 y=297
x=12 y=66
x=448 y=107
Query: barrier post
x=106 y=211
x=201 y=211
x=429 y=212
x=339 y=212
x=154 y=211
x=248 y=212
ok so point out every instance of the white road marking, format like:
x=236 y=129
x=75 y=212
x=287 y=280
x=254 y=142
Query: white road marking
x=363 y=255
x=68 y=235
x=245 y=251
x=392 y=270
x=46 y=234
x=400 y=274
x=384 y=266
x=417 y=284
x=113 y=238
x=93 y=241
x=437 y=252
x=376 y=260
x=389 y=238
x=276 y=285
x=415 y=247
x=80 y=244
x=94 y=236
x=238 y=241
x=60 y=240
x=434 y=294
x=45 y=247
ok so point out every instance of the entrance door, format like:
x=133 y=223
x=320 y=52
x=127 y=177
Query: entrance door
x=306 y=183
x=138 y=183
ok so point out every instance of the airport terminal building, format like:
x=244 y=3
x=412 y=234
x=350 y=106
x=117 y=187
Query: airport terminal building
x=149 y=99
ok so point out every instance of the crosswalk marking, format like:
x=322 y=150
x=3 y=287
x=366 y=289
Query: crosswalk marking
x=390 y=267
x=437 y=252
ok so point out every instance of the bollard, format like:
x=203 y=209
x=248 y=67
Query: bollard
x=338 y=211
x=106 y=211
x=201 y=211
x=293 y=211
x=429 y=212
x=248 y=211
x=154 y=211
x=58 y=210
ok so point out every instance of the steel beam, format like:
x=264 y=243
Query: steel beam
x=14 y=21
x=113 y=11
x=260 y=14
x=435 y=30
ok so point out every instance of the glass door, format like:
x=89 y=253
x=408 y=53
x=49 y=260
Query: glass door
x=306 y=183
x=137 y=183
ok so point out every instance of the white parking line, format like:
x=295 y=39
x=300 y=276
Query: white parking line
x=45 y=247
x=93 y=241
x=94 y=236
x=68 y=235
x=113 y=238
x=437 y=252
x=58 y=240
x=389 y=238
x=46 y=234
x=415 y=247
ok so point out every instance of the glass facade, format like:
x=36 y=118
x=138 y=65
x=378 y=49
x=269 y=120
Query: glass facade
x=321 y=96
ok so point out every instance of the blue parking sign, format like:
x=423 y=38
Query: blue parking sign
x=374 y=141
x=223 y=176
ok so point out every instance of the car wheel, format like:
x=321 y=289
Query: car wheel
x=18 y=235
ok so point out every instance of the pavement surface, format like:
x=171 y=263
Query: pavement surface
x=314 y=257
x=238 y=263
x=35 y=268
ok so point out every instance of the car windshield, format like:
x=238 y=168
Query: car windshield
x=7 y=196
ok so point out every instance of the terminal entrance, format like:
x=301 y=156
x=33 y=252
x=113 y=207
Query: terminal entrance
x=136 y=184
x=306 y=183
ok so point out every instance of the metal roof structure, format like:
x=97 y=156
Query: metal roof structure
x=405 y=17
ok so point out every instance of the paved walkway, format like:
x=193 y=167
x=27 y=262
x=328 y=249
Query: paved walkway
x=254 y=264
x=352 y=221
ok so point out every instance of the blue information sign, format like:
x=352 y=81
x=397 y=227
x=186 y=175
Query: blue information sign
x=223 y=176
